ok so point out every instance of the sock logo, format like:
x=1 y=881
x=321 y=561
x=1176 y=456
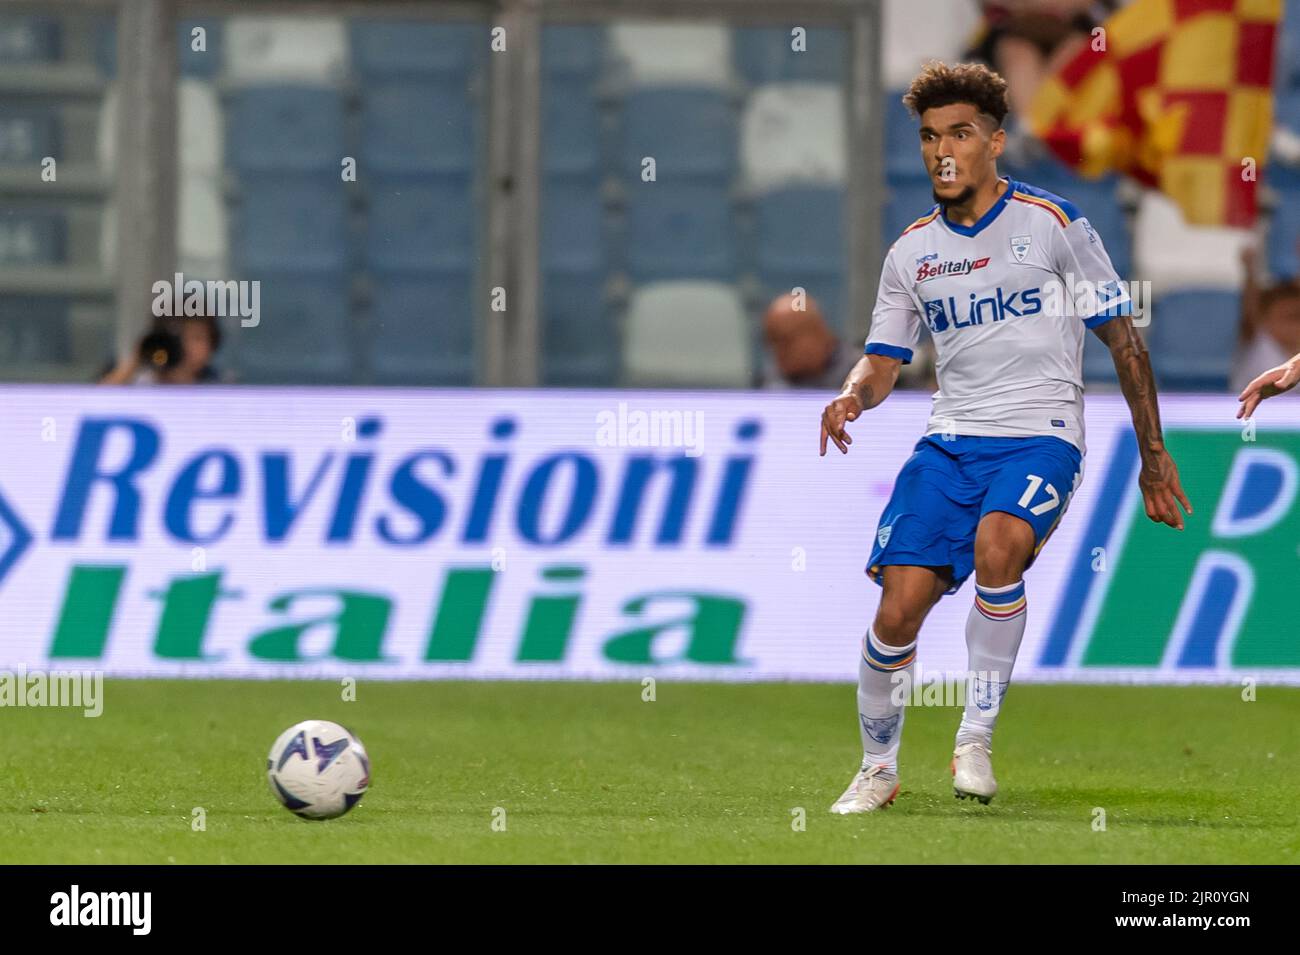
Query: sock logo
x=988 y=693
x=881 y=730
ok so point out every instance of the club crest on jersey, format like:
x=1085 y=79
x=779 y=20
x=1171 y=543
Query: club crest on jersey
x=883 y=535
x=934 y=315
x=1020 y=246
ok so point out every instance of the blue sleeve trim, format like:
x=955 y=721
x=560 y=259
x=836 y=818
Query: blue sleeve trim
x=1106 y=314
x=889 y=351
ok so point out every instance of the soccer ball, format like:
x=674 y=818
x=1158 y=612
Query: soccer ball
x=318 y=770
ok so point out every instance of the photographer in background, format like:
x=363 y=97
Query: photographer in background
x=176 y=351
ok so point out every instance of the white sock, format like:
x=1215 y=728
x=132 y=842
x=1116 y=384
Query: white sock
x=994 y=629
x=884 y=676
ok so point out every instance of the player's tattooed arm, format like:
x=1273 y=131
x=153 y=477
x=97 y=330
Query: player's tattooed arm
x=868 y=384
x=1162 y=491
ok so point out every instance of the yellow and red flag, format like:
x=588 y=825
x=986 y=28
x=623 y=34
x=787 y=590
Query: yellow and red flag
x=1177 y=94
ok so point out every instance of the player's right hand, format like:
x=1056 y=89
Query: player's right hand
x=1272 y=382
x=836 y=415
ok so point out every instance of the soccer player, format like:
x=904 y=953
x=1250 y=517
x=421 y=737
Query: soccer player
x=1007 y=277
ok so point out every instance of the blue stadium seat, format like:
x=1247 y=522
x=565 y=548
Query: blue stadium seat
x=908 y=199
x=387 y=48
x=802 y=229
x=580 y=342
x=1192 y=338
x=1284 y=227
x=689 y=132
x=30 y=133
x=765 y=56
x=1286 y=108
x=30 y=39
x=679 y=231
x=572 y=143
x=34 y=330
x=422 y=329
x=32 y=237
x=1288 y=63
x=304 y=335
x=421 y=223
x=573 y=50
x=418 y=127
x=902 y=141
x=574 y=234
x=206 y=63
x=292 y=224
x=286 y=128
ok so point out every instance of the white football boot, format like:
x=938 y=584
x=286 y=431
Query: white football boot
x=871 y=789
x=972 y=773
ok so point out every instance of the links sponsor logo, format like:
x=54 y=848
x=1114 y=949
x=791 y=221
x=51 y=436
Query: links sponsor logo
x=1082 y=300
x=996 y=306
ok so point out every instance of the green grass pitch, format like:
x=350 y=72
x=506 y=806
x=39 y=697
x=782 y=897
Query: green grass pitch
x=588 y=772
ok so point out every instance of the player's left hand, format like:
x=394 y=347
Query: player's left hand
x=1271 y=383
x=1162 y=492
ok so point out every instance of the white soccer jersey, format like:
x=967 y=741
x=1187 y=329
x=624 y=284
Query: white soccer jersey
x=1006 y=301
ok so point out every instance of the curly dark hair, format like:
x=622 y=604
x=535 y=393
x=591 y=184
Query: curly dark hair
x=939 y=84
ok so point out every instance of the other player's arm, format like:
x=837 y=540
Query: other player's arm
x=1271 y=383
x=1162 y=491
x=869 y=383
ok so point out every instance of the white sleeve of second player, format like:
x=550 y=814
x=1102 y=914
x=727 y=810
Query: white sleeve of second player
x=1084 y=266
x=895 y=324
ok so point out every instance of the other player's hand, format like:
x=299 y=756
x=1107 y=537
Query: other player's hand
x=1162 y=492
x=836 y=415
x=1272 y=382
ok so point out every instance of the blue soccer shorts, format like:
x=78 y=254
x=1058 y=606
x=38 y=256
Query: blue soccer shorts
x=947 y=486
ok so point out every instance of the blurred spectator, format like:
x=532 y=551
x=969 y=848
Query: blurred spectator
x=176 y=351
x=1028 y=40
x=1269 y=333
x=802 y=351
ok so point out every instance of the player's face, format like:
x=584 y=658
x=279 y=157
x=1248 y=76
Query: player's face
x=960 y=149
